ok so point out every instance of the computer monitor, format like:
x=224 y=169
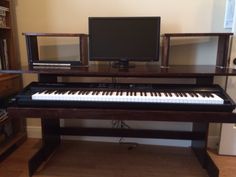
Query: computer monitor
x=124 y=39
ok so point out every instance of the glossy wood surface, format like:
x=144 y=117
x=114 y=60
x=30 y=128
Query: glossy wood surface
x=148 y=70
x=195 y=34
x=123 y=114
x=54 y=34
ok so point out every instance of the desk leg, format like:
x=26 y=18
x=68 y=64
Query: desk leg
x=50 y=141
x=200 y=149
x=200 y=146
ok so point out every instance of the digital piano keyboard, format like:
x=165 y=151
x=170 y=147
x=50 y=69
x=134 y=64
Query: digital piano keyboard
x=126 y=96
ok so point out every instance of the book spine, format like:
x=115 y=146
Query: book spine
x=4 y=54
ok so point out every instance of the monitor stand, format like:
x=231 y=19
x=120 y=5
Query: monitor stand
x=122 y=63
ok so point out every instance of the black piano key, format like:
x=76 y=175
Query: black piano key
x=196 y=95
x=169 y=94
x=47 y=92
x=176 y=94
x=211 y=95
x=203 y=95
x=41 y=91
x=191 y=94
x=184 y=94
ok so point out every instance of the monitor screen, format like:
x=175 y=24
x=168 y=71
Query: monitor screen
x=128 y=38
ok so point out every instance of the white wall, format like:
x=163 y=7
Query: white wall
x=72 y=17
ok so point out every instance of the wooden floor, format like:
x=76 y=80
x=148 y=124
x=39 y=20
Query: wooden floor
x=226 y=164
x=15 y=165
x=89 y=159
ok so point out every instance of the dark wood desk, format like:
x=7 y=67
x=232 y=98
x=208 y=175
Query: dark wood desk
x=50 y=117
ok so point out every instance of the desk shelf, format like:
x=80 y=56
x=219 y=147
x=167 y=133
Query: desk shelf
x=151 y=70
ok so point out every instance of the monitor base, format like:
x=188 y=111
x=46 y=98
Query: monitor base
x=122 y=63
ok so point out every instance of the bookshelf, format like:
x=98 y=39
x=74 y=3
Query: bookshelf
x=10 y=83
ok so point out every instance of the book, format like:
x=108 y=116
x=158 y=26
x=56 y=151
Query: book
x=4 y=54
x=3 y=11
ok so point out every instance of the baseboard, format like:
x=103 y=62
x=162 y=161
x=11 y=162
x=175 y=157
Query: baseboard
x=213 y=142
x=34 y=132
